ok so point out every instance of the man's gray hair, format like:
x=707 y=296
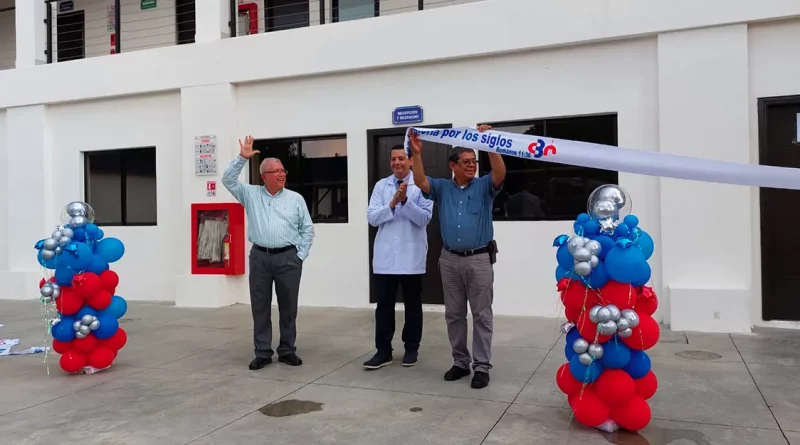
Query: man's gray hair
x=265 y=162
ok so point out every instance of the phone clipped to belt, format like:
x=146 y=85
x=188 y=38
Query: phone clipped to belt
x=492 y=251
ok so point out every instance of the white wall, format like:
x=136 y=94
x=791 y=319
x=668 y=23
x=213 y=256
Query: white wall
x=8 y=37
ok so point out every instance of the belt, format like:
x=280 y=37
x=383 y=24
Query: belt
x=271 y=250
x=478 y=251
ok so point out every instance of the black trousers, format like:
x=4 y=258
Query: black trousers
x=386 y=287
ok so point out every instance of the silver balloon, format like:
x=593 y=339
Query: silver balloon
x=56 y=290
x=77 y=208
x=81 y=335
x=84 y=330
x=63 y=241
x=66 y=231
x=631 y=316
x=585 y=359
x=582 y=254
x=594 y=247
x=50 y=244
x=604 y=209
x=76 y=326
x=625 y=333
x=48 y=254
x=55 y=321
x=57 y=234
x=615 y=314
x=580 y=346
x=607 y=327
x=583 y=268
x=46 y=290
x=594 y=261
x=46 y=299
x=613 y=193
x=596 y=351
x=95 y=325
x=623 y=324
x=593 y=313
x=604 y=314
x=77 y=222
x=575 y=242
x=58 y=250
x=86 y=319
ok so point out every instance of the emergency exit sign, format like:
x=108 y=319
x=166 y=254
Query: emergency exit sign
x=148 y=4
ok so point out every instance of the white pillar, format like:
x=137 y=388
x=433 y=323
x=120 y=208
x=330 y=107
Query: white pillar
x=31 y=33
x=211 y=18
x=706 y=230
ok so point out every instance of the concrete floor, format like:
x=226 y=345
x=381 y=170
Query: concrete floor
x=183 y=378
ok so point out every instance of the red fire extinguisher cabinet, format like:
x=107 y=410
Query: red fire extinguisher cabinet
x=218 y=238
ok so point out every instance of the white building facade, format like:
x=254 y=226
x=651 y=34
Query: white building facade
x=717 y=79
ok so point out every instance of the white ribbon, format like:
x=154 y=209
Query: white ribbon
x=608 y=157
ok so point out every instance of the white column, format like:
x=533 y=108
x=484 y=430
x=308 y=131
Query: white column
x=211 y=18
x=206 y=110
x=31 y=33
x=706 y=229
x=30 y=213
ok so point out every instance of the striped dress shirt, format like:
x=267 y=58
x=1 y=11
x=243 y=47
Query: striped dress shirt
x=273 y=221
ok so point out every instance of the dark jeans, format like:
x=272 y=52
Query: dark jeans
x=284 y=270
x=386 y=287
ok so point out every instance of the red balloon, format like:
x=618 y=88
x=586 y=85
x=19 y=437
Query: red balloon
x=588 y=330
x=572 y=314
x=634 y=415
x=566 y=382
x=72 y=361
x=85 y=345
x=62 y=347
x=100 y=300
x=647 y=301
x=116 y=342
x=622 y=295
x=68 y=303
x=101 y=358
x=109 y=280
x=615 y=387
x=86 y=284
x=578 y=296
x=645 y=335
x=646 y=386
x=589 y=410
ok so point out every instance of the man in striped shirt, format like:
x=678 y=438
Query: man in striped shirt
x=280 y=228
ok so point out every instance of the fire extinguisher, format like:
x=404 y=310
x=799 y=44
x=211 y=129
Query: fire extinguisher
x=227 y=244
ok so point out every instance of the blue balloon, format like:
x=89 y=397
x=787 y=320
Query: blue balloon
x=599 y=276
x=100 y=234
x=639 y=365
x=564 y=258
x=583 y=373
x=644 y=275
x=645 y=243
x=98 y=265
x=616 y=355
x=49 y=264
x=85 y=310
x=64 y=276
x=573 y=335
x=91 y=231
x=79 y=235
x=568 y=352
x=62 y=331
x=562 y=273
x=578 y=228
x=622 y=231
x=111 y=249
x=77 y=256
x=606 y=244
x=624 y=264
x=631 y=221
x=591 y=228
x=117 y=308
x=582 y=218
x=108 y=327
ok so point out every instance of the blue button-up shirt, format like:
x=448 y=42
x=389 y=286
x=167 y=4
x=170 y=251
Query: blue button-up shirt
x=465 y=213
x=401 y=246
x=273 y=221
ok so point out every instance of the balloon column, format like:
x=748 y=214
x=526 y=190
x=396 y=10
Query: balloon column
x=80 y=285
x=602 y=275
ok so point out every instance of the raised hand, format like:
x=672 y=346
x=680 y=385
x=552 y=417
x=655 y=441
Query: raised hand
x=484 y=127
x=416 y=144
x=246 y=148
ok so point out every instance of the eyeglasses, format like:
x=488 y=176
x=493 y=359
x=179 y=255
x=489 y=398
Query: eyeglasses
x=469 y=161
x=285 y=172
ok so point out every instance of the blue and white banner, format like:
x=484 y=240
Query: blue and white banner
x=608 y=157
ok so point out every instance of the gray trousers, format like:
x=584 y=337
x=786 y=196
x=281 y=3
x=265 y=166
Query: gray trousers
x=284 y=269
x=468 y=280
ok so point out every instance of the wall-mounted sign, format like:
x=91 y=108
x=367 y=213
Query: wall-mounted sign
x=148 y=4
x=66 y=6
x=211 y=188
x=205 y=155
x=407 y=115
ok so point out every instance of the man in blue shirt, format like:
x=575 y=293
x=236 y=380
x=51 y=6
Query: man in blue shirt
x=466 y=261
x=280 y=228
x=401 y=214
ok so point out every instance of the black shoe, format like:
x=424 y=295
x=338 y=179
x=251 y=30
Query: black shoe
x=378 y=361
x=455 y=373
x=290 y=359
x=410 y=358
x=480 y=380
x=259 y=363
